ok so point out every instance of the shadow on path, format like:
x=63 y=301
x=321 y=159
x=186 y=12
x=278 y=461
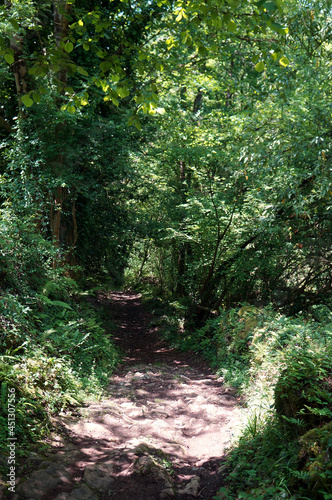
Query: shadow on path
x=160 y=434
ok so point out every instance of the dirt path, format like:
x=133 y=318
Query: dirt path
x=161 y=433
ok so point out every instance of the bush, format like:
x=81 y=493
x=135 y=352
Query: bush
x=285 y=447
x=304 y=390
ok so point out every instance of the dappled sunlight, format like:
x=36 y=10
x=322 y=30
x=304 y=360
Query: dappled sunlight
x=166 y=422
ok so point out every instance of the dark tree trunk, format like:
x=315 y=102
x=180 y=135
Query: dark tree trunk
x=63 y=219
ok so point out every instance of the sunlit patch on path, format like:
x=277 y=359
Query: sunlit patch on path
x=161 y=433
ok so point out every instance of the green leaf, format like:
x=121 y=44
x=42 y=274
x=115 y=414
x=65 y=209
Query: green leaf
x=279 y=28
x=284 y=61
x=100 y=53
x=69 y=47
x=35 y=70
x=59 y=303
x=71 y=108
x=9 y=57
x=123 y=92
x=270 y=6
x=189 y=41
x=260 y=66
x=231 y=26
x=14 y=23
x=179 y=17
x=202 y=51
x=27 y=101
x=139 y=99
x=82 y=71
x=36 y=96
x=134 y=120
x=105 y=65
x=170 y=43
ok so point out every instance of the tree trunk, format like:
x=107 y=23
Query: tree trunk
x=181 y=261
x=63 y=226
x=61 y=10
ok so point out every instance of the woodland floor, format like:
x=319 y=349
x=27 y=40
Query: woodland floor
x=161 y=433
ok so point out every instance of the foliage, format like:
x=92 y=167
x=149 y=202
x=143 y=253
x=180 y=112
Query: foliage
x=53 y=349
x=227 y=229
x=43 y=386
x=279 y=455
x=237 y=179
x=219 y=201
x=116 y=47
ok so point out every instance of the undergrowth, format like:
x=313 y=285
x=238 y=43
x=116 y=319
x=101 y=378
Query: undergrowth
x=285 y=448
x=54 y=350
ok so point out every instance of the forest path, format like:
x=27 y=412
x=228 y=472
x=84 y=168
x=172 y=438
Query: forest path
x=160 y=434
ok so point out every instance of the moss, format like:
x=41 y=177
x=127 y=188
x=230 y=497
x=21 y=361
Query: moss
x=317 y=435
x=314 y=460
x=248 y=310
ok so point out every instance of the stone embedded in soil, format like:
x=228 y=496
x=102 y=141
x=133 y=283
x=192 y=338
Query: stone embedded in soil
x=39 y=484
x=34 y=460
x=58 y=470
x=166 y=493
x=82 y=493
x=192 y=488
x=67 y=456
x=42 y=482
x=45 y=464
x=148 y=466
x=98 y=476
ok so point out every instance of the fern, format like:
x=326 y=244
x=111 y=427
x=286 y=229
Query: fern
x=3 y=394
